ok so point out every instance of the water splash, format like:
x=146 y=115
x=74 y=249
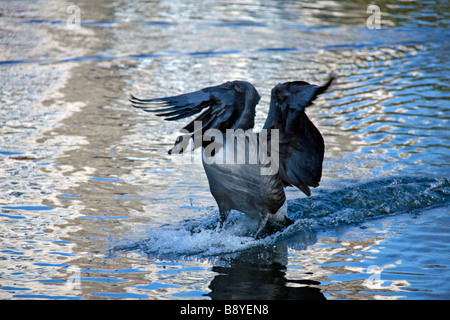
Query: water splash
x=373 y=199
x=353 y=204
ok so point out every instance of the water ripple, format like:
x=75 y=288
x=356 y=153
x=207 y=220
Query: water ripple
x=361 y=202
x=81 y=171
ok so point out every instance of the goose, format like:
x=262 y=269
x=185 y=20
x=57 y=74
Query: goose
x=249 y=171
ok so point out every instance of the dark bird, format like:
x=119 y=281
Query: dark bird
x=248 y=171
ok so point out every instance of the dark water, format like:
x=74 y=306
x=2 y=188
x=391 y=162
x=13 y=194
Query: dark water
x=93 y=207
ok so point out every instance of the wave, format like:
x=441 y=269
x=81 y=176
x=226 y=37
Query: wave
x=353 y=204
x=373 y=199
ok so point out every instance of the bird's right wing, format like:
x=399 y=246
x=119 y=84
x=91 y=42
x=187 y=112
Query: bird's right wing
x=301 y=146
x=301 y=156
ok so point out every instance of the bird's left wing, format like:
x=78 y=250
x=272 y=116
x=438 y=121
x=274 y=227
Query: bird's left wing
x=301 y=146
x=221 y=106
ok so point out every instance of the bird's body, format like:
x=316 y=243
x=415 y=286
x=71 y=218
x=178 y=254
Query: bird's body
x=242 y=186
x=248 y=171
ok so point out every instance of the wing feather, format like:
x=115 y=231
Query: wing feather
x=219 y=107
x=301 y=143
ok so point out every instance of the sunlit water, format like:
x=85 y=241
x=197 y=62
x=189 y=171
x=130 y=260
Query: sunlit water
x=93 y=207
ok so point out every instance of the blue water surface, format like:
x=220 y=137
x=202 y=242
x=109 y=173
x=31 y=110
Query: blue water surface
x=93 y=207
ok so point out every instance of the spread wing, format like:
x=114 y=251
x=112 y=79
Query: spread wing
x=301 y=155
x=221 y=107
x=301 y=146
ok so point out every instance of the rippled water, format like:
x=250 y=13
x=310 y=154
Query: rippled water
x=93 y=207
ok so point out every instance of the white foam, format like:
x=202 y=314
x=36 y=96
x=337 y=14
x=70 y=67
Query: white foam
x=182 y=242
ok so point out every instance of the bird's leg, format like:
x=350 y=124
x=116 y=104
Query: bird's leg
x=264 y=218
x=223 y=218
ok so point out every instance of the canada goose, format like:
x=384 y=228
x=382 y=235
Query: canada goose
x=287 y=134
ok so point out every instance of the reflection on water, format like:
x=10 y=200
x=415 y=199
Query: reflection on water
x=83 y=174
x=262 y=272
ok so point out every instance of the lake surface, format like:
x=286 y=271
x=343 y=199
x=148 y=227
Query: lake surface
x=93 y=207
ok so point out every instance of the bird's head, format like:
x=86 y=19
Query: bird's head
x=292 y=97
